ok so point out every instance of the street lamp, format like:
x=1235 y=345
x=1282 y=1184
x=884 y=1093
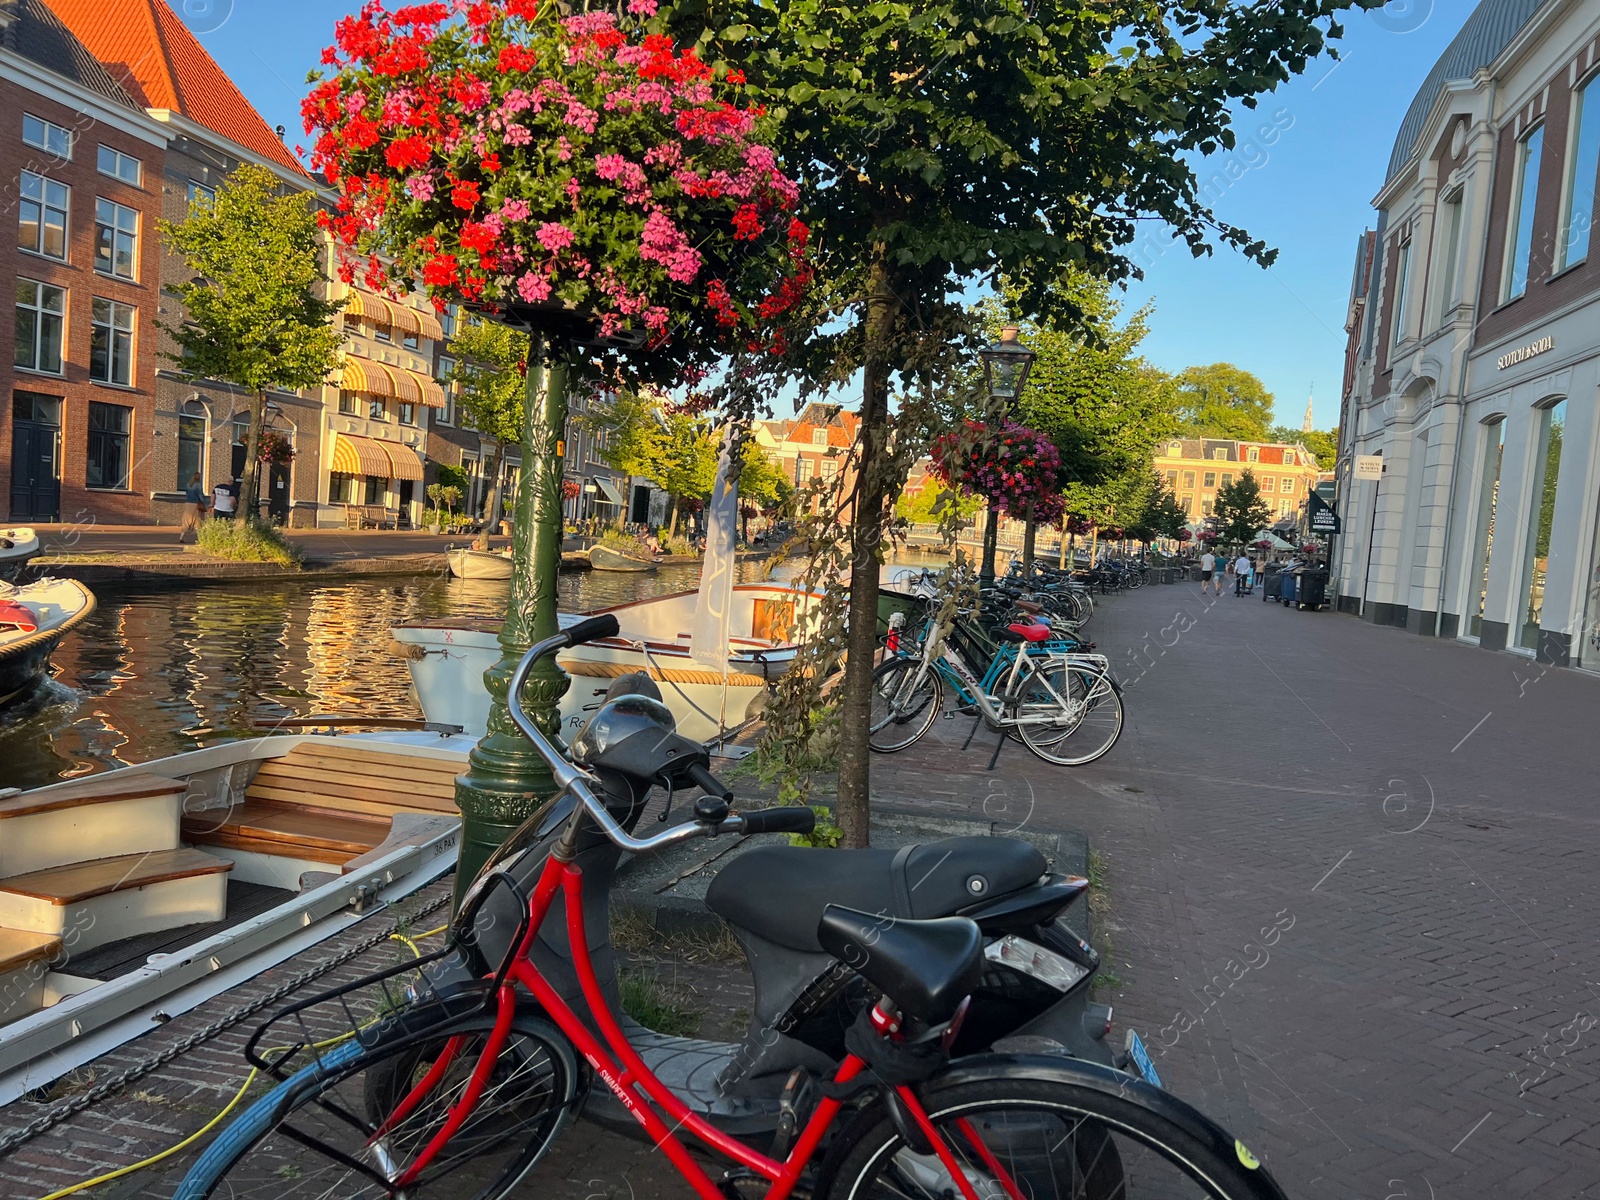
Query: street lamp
x=1005 y=372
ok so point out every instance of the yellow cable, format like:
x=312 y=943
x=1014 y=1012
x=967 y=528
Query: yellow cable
x=232 y=1104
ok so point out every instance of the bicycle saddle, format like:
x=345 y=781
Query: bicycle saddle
x=925 y=967
x=1024 y=633
x=779 y=892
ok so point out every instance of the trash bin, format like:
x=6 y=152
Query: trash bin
x=1313 y=590
x=1287 y=581
x=1272 y=583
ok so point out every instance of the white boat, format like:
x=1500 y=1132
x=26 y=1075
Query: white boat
x=131 y=896
x=33 y=619
x=447 y=660
x=17 y=546
x=608 y=558
x=466 y=563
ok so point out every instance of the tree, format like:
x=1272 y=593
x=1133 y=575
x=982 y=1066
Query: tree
x=1163 y=516
x=254 y=316
x=929 y=503
x=1240 y=511
x=1224 y=401
x=675 y=450
x=942 y=142
x=490 y=377
x=1324 y=445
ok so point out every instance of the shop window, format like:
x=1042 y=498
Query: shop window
x=1488 y=501
x=110 y=430
x=1541 y=519
x=1519 y=234
x=377 y=490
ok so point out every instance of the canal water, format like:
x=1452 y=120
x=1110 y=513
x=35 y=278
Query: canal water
x=154 y=673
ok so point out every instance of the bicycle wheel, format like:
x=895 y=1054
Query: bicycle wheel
x=329 y=1131
x=1087 y=726
x=905 y=703
x=1047 y=1139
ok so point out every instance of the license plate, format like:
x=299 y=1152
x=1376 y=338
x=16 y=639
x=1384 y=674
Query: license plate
x=1142 y=1061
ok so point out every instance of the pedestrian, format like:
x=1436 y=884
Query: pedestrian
x=1208 y=568
x=1242 y=569
x=194 y=508
x=223 y=501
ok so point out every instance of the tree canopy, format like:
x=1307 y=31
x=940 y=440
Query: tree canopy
x=490 y=379
x=1224 y=401
x=1240 y=511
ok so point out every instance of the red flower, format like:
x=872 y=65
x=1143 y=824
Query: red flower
x=747 y=221
x=799 y=234
x=465 y=195
x=422 y=14
x=516 y=60
x=475 y=235
x=441 y=271
x=526 y=9
x=360 y=134
x=479 y=15
x=490 y=163
x=408 y=152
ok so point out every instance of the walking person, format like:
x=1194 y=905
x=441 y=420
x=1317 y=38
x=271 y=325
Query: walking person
x=224 y=500
x=1242 y=570
x=1208 y=568
x=194 y=508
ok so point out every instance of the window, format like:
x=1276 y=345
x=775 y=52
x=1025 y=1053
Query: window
x=1219 y=454
x=1402 y=276
x=1541 y=517
x=819 y=437
x=409 y=341
x=1488 y=500
x=191 y=447
x=116 y=239
x=341 y=488
x=805 y=470
x=381 y=332
x=1285 y=507
x=1188 y=506
x=1583 y=165
x=408 y=413
x=377 y=490
x=375 y=409
x=1205 y=507
x=42 y=215
x=348 y=405
x=447 y=320
x=1188 y=479
x=107 y=466
x=1519 y=237
x=202 y=195
x=1449 y=252
x=829 y=468
x=1175 y=448
x=1172 y=479
x=1211 y=479
x=46 y=135
x=41 y=313
x=443 y=371
x=1227 y=479
x=111 y=342
x=1291 y=486
x=120 y=166
x=1254 y=455
x=1269 y=483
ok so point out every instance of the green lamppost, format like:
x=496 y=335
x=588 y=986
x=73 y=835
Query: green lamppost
x=506 y=780
x=1005 y=371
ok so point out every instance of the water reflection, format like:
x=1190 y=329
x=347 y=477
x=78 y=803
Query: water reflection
x=158 y=673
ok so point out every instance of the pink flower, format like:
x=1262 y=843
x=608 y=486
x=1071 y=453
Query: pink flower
x=514 y=210
x=554 y=236
x=420 y=187
x=533 y=288
x=642 y=8
x=663 y=242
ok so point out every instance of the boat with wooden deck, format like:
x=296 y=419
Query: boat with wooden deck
x=17 y=546
x=608 y=558
x=33 y=620
x=133 y=895
x=466 y=563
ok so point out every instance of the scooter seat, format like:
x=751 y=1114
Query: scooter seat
x=925 y=967
x=779 y=892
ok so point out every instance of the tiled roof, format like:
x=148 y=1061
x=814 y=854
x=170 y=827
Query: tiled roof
x=153 y=54
x=38 y=35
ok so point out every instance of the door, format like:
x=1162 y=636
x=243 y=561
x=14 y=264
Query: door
x=404 y=520
x=278 y=493
x=35 y=457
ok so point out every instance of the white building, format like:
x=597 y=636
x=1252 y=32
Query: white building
x=1474 y=348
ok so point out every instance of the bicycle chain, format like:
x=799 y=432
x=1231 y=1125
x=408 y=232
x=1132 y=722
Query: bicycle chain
x=103 y=1091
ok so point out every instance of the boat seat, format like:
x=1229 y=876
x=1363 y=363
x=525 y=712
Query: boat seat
x=286 y=830
x=102 y=876
x=19 y=947
x=779 y=892
x=926 y=967
x=97 y=789
x=357 y=781
x=99 y=817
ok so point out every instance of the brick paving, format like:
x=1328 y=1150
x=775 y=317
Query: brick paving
x=1351 y=909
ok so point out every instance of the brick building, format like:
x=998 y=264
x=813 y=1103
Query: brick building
x=816 y=444
x=81 y=164
x=210 y=129
x=1195 y=469
x=1474 y=348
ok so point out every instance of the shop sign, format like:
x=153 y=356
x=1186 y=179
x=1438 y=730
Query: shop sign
x=1369 y=466
x=1523 y=353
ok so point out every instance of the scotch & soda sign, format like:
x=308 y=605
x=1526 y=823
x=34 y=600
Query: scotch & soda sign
x=1523 y=353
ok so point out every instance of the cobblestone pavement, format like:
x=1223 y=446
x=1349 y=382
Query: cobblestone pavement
x=1352 y=910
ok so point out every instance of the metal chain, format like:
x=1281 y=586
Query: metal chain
x=103 y=1091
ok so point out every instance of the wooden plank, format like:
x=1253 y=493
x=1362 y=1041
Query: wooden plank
x=98 y=789
x=80 y=881
x=329 y=754
x=322 y=777
x=19 y=947
x=302 y=791
x=278 y=849
x=343 y=802
x=291 y=826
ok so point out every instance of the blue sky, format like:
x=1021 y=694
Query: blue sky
x=1305 y=186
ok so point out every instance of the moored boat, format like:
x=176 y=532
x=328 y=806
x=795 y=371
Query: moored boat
x=447 y=660
x=17 y=546
x=33 y=620
x=466 y=563
x=608 y=558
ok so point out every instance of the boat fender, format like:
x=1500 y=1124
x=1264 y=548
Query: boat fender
x=403 y=650
x=17 y=617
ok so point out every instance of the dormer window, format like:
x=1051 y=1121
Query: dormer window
x=1219 y=454
x=819 y=437
x=1254 y=454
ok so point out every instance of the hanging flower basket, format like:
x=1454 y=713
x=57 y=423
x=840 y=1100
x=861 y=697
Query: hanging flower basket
x=575 y=175
x=1185 y=536
x=1209 y=536
x=1079 y=525
x=275 y=449
x=1012 y=467
x=1310 y=548
x=1263 y=544
x=570 y=489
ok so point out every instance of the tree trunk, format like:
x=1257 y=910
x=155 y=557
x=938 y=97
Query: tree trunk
x=672 y=517
x=250 y=486
x=1094 y=542
x=1030 y=529
x=1066 y=546
x=866 y=536
x=496 y=506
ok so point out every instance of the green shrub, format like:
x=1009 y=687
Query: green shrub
x=250 y=542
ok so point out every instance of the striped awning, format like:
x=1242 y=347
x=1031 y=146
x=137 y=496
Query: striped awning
x=380 y=379
x=353 y=455
x=395 y=314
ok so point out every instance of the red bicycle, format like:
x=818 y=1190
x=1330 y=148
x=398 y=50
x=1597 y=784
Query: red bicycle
x=460 y=1087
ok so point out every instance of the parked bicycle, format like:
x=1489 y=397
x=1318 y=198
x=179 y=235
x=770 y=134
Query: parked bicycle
x=870 y=1069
